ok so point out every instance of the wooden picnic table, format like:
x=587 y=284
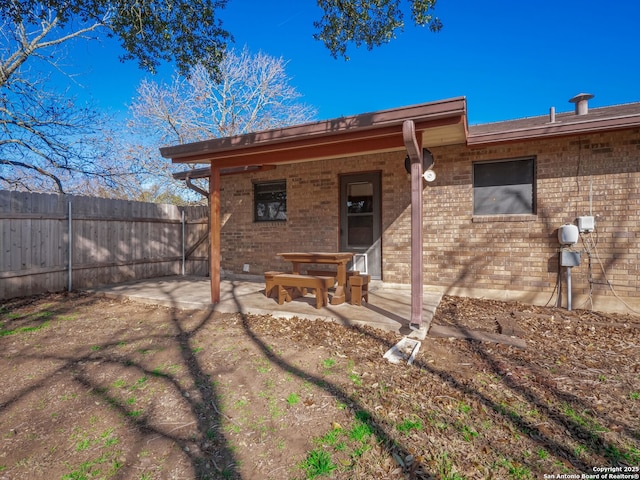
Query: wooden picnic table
x=340 y=259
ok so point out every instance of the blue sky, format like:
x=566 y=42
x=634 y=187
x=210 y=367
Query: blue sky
x=509 y=58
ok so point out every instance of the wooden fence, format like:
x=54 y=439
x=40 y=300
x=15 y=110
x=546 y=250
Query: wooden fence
x=54 y=242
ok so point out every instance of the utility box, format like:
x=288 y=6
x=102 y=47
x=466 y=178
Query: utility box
x=569 y=258
x=568 y=234
x=586 y=223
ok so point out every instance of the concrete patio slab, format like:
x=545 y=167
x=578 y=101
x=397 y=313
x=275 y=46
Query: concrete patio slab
x=389 y=306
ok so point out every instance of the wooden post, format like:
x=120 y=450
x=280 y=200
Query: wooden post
x=214 y=254
x=415 y=154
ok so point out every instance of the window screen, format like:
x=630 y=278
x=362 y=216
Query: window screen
x=270 y=201
x=504 y=188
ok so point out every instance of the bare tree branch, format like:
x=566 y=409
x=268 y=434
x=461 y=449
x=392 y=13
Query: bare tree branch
x=250 y=93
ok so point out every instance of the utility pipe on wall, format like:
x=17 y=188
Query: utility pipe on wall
x=568 y=288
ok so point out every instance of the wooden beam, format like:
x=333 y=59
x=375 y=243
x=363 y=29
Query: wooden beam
x=310 y=148
x=415 y=154
x=214 y=260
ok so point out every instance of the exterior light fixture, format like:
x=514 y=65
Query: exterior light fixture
x=429 y=175
x=427 y=163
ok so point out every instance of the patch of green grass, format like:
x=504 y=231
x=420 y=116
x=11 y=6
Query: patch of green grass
x=349 y=443
x=233 y=428
x=242 y=402
x=274 y=410
x=464 y=408
x=445 y=468
x=328 y=363
x=139 y=383
x=317 y=463
x=583 y=419
x=330 y=438
x=157 y=372
x=106 y=465
x=468 y=433
x=95 y=348
x=361 y=429
x=119 y=383
x=615 y=455
x=634 y=395
x=19 y=330
x=542 y=453
x=165 y=370
x=407 y=425
x=355 y=378
x=516 y=471
x=83 y=444
x=111 y=441
x=263 y=365
x=293 y=399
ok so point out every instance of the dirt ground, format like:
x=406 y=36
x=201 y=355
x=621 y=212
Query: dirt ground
x=96 y=388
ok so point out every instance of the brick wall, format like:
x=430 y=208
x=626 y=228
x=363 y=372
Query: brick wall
x=500 y=257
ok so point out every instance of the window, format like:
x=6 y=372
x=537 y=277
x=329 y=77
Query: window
x=360 y=214
x=270 y=201
x=504 y=188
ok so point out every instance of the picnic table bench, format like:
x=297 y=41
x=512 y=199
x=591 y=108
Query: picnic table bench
x=339 y=259
x=287 y=285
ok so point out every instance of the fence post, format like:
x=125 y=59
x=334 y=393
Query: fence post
x=70 y=252
x=183 y=240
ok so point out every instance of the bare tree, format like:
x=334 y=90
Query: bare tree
x=47 y=142
x=251 y=93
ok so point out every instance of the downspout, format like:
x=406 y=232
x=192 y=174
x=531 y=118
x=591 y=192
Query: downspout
x=415 y=155
x=195 y=188
x=207 y=195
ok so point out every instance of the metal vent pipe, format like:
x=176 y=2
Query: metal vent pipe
x=582 y=103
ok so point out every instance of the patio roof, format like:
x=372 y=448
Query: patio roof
x=437 y=123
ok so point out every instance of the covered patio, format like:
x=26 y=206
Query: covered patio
x=409 y=129
x=389 y=306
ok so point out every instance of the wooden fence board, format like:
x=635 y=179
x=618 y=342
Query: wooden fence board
x=112 y=241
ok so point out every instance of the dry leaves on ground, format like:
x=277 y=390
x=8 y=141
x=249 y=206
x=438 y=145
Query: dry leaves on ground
x=99 y=388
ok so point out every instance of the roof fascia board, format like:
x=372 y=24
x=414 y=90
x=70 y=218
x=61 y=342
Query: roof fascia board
x=551 y=130
x=350 y=128
x=305 y=149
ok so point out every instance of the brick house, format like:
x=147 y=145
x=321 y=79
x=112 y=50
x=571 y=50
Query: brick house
x=490 y=218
